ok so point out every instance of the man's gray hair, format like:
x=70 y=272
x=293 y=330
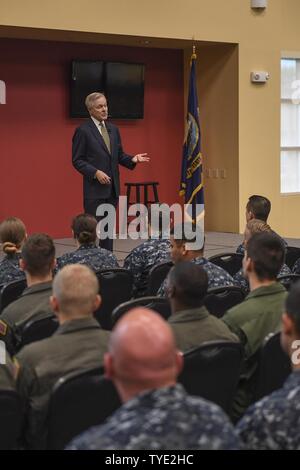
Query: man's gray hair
x=90 y=99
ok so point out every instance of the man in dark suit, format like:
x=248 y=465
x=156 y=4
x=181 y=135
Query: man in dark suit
x=96 y=153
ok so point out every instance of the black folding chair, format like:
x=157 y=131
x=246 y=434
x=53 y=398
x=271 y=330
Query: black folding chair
x=10 y=292
x=220 y=299
x=157 y=275
x=288 y=280
x=292 y=255
x=36 y=329
x=160 y=305
x=115 y=288
x=212 y=371
x=11 y=415
x=79 y=401
x=231 y=262
x=274 y=366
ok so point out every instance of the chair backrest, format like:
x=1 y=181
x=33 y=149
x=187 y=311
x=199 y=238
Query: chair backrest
x=10 y=292
x=212 y=371
x=11 y=415
x=157 y=275
x=115 y=288
x=160 y=305
x=231 y=262
x=220 y=299
x=291 y=255
x=288 y=280
x=36 y=329
x=274 y=366
x=78 y=402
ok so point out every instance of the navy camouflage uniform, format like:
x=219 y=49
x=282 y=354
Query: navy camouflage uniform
x=142 y=258
x=273 y=422
x=166 y=418
x=10 y=269
x=88 y=254
x=217 y=277
x=241 y=249
x=242 y=282
x=296 y=267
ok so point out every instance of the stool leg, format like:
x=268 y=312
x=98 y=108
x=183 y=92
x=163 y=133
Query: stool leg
x=138 y=195
x=146 y=200
x=155 y=192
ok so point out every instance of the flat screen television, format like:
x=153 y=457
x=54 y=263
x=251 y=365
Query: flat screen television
x=122 y=84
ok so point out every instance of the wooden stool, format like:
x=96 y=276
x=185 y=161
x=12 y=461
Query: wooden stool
x=138 y=188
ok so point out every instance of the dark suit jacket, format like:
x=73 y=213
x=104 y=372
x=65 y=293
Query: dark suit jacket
x=89 y=154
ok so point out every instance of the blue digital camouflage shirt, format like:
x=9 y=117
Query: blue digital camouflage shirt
x=273 y=422
x=89 y=254
x=166 y=418
x=142 y=259
x=242 y=282
x=217 y=277
x=10 y=269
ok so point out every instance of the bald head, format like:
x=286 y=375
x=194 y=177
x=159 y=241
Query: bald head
x=75 y=291
x=142 y=353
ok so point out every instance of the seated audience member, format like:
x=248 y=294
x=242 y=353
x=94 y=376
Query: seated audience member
x=260 y=313
x=84 y=232
x=157 y=413
x=78 y=344
x=252 y=227
x=12 y=237
x=37 y=261
x=273 y=422
x=187 y=247
x=190 y=321
x=142 y=258
x=8 y=373
x=258 y=207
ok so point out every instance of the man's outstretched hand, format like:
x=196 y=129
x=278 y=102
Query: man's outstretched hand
x=141 y=158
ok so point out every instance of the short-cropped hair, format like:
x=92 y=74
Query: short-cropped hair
x=190 y=283
x=267 y=253
x=260 y=206
x=38 y=254
x=292 y=305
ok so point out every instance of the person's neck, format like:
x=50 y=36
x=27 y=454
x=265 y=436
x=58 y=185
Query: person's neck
x=33 y=280
x=64 y=318
x=190 y=255
x=255 y=283
x=179 y=307
x=128 y=392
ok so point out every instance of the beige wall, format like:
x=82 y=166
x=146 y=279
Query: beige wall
x=252 y=116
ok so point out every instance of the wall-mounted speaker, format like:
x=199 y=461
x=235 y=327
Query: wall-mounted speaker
x=259 y=3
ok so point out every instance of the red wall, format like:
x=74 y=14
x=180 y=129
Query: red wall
x=37 y=180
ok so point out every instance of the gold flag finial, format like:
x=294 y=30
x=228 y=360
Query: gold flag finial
x=194 y=55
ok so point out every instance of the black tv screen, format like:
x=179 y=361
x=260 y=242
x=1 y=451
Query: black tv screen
x=122 y=84
x=87 y=77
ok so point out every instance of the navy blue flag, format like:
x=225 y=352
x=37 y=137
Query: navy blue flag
x=191 y=186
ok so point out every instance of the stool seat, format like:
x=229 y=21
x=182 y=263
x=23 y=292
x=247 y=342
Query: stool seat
x=142 y=185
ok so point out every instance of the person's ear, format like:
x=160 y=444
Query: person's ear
x=179 y=362
x=108 y=366
x=287 y=325
x=97 y=302
x=22 y=264
x=53 y=303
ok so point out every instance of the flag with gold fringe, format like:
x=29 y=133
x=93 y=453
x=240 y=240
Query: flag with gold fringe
x=191 y=186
